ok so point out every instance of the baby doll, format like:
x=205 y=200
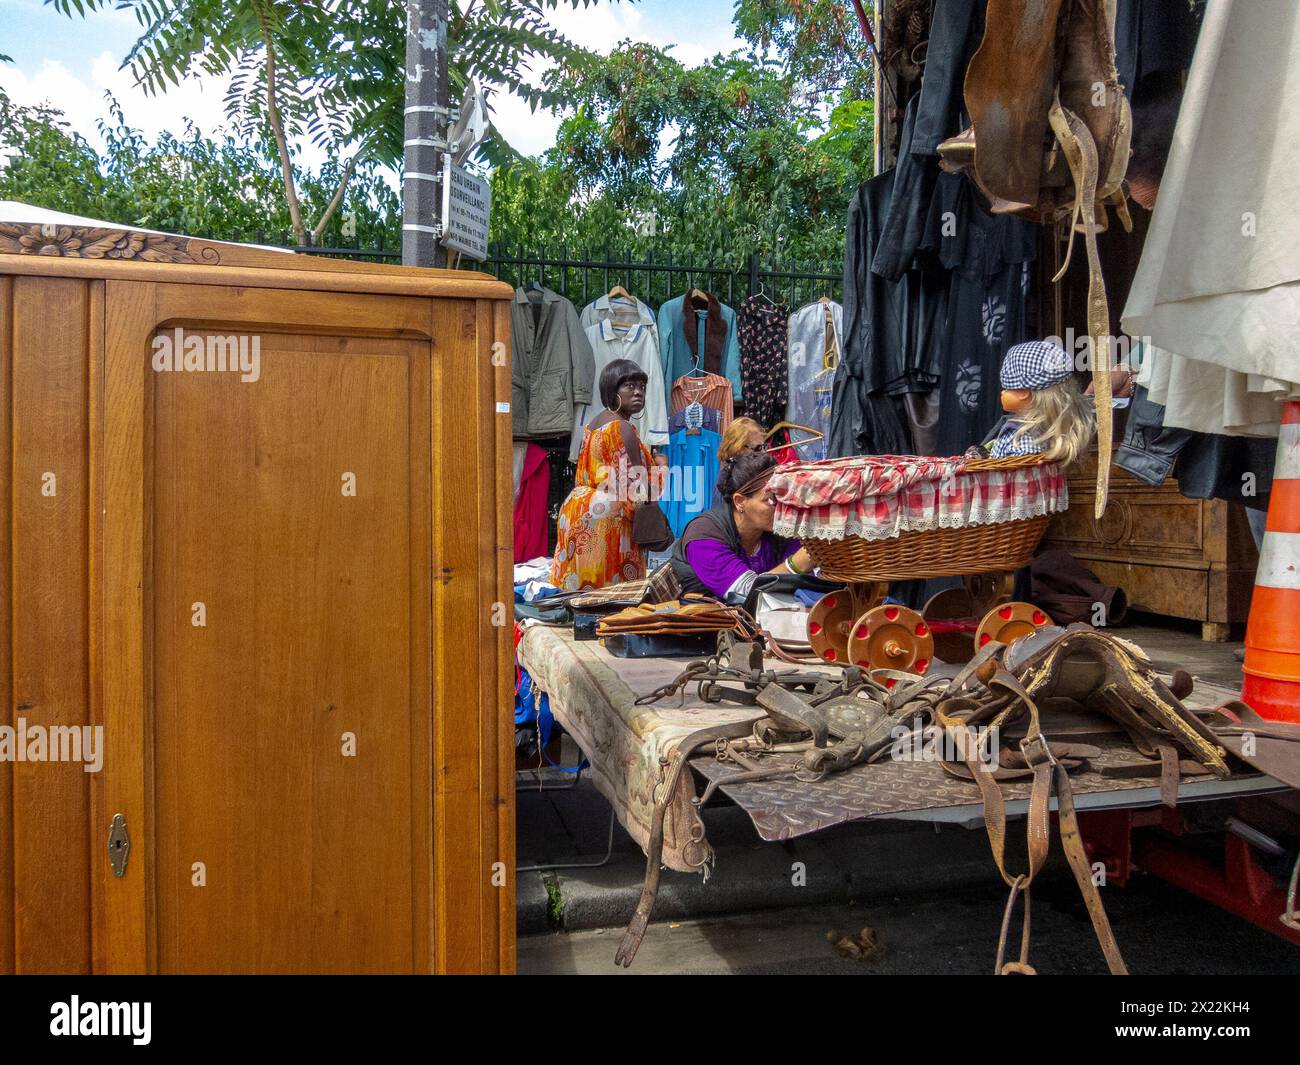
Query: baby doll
x=1046 y=412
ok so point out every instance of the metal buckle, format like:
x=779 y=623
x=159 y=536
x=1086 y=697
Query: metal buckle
x=1043 y=756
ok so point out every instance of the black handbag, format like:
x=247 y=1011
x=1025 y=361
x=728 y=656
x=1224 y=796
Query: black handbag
x=650 y=528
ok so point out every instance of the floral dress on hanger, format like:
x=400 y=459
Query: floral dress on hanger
x=593 y=544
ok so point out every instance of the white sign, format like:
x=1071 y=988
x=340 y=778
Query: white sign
x=471 y=124
x=466 y=207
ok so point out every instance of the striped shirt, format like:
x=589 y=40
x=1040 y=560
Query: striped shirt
x=711 y=390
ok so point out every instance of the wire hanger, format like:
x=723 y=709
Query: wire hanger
x=762 y=293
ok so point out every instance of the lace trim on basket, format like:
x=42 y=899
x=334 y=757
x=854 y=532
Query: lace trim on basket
x=806 y=526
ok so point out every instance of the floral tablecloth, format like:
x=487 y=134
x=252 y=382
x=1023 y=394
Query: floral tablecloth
x=877 y=497
x=593 y=696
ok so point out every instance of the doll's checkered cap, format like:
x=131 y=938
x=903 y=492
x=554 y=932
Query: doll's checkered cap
x=1036 y=364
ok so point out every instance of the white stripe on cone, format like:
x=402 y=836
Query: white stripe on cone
x=1279 y=561
x=1288 y=453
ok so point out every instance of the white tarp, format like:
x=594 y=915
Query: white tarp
x=1218 y=288
x=26 y=213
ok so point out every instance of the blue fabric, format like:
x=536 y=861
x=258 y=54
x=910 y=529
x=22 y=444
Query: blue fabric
x=533 y=708
x=693 y=466
x=1035 y=365
x=675 y=353
x=1008 y=444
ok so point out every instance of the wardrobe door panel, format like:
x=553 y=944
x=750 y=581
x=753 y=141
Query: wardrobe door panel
x=278 y=520
x=50 y=334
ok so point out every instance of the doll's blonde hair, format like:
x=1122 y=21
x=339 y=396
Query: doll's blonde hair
x=1060 y=419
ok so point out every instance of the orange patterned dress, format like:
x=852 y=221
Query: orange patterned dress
x=594 y=545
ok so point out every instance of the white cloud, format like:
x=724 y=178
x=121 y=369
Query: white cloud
x=80 y=96
x=79 y=93
x=600 y=29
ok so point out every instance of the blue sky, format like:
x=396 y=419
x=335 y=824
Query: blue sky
x=71 y=62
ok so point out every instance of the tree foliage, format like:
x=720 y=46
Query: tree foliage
x=746 y=152
x=755 y=151
x=332 y=71
x=188 y=183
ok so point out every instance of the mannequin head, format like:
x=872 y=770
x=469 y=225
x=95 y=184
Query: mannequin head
x=1039 y=390
x=622 y=388
x=1060 y=418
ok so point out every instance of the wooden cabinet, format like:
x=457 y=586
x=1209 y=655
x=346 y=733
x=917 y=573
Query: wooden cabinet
x=1185 y=558
x=273 y=588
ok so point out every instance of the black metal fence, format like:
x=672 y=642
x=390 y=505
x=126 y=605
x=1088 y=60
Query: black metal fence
x=582 y=277
x=657 y=279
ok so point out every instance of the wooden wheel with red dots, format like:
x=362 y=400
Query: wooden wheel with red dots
x=891 y=637
x=1008 y=622
x=828 y=626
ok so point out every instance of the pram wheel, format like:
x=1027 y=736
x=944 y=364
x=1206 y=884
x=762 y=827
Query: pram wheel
x=891 y=637
x=1008 y=622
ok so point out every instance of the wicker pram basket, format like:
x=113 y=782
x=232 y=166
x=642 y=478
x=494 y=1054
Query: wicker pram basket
x=936 y=552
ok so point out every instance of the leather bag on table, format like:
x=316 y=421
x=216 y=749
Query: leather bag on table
x=650 y=528
x=688 y=615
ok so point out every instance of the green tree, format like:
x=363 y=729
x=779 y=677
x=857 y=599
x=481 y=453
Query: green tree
x=727 y=158
x=331 y=70
x=189 y=183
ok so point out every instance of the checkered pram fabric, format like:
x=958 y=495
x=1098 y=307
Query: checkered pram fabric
x=882 y=496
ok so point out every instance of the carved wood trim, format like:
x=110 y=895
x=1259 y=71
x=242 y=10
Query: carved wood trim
x=103 y=252
x=83 y=242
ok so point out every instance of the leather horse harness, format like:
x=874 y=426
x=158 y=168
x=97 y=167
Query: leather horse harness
x=834 y=722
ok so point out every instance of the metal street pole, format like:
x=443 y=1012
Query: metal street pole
x=426 y=132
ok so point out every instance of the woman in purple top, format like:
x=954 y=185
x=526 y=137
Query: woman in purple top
x=721 y=552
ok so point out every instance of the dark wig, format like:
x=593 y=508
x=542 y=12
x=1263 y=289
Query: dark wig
x=744 y=473
x=615 y=376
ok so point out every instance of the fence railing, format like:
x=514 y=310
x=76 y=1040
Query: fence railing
x=654 y=279
x=582 y=277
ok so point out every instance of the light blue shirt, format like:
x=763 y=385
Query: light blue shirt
x=675 y=353
x=692 y=473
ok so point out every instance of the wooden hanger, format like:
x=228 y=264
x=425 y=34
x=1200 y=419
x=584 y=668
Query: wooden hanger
x=699 y=293
x=816 y=435
x=831 y=343
x=619 y=290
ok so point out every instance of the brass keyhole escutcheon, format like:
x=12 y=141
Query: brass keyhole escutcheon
x=119 y=845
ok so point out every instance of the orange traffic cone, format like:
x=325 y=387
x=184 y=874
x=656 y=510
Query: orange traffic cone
x=1272 y=667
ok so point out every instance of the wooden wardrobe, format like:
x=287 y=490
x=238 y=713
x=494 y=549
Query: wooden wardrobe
x=285 y=597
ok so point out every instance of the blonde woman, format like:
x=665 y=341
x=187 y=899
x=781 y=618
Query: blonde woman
x=743 y=434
